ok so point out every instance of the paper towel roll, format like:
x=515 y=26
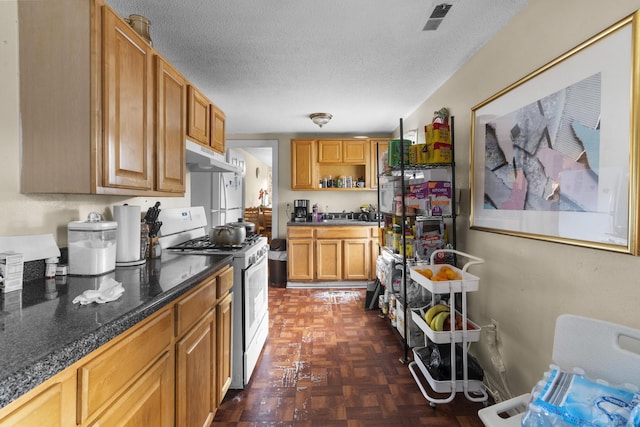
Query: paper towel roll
x=128 y=234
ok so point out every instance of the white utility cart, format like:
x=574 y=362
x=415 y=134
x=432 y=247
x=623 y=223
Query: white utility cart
x=473 y=389
x=604 y=350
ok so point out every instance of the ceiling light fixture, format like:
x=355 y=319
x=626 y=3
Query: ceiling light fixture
x=320 y=119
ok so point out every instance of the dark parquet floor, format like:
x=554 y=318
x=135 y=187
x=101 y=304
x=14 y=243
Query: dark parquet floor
x=329 y=362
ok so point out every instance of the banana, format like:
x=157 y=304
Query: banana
x=438 y=321
x=433 y=311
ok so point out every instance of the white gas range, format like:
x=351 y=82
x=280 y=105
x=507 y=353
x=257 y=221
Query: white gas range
x=183 y=231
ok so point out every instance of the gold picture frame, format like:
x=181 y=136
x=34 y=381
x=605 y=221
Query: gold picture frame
x=554 y=156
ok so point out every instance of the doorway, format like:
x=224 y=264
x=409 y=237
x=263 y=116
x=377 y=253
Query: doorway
x=266 y=151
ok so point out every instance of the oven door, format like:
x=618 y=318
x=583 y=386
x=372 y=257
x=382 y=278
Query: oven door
x=256 y=298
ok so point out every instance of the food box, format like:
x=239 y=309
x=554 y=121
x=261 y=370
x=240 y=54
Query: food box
x=413 y=154
x=394 y=151
x=417 y=196
x=444 y=337
x=437 y=132
x=439 y=196
x=469 y=282
x=11 y=269
x=438 y=141
x=429 y=237
x=440 y=153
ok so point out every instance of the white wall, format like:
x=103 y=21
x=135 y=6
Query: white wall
x=525 y=284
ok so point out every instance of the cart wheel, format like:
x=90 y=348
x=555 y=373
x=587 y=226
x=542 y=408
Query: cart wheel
x=433 y=405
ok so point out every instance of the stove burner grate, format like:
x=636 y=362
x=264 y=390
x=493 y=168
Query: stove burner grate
x=204 y=243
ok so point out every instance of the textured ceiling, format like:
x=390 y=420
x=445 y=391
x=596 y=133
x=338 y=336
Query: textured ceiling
x=268 y=64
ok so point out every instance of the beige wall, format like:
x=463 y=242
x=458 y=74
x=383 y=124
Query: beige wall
x=525 y=284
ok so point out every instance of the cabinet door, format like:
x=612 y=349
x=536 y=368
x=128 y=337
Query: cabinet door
x=196 y=398
x=329 y=151
x=217 y=129
x=357 y=259
x=378 y=147
x=127 y=150
x=199 y=113
x=300 y=259
x=171 y=118
x=356 y=152
x=329 y=259
x=147 y=402
x=111 y=372
x=223 y=359
x=303 y=159
x=53 y=406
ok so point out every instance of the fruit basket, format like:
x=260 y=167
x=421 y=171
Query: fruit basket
x=464 y=281
x=443 y=337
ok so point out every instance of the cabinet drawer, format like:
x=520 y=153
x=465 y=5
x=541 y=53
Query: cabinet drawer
x=342 y=232
x=300 y=232
x=108 y=375
x=224 y=282
x=192 y=307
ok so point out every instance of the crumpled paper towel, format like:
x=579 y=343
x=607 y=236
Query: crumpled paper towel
x=110 y=290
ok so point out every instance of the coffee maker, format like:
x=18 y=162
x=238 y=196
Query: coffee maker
x=300 y=210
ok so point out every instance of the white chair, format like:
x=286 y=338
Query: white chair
x=604 y=350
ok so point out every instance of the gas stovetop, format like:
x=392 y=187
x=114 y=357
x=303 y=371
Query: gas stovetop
x=203 y=243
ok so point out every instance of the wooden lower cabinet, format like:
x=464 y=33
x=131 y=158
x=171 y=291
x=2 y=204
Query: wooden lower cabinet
x=196 y=381
x=300 y=254
x=224 y=337
x=114 y=371
x=328 y=259
x=53 y=404
x=356 y=259
x=171 y=369
x=146 y=402
x=330 y=253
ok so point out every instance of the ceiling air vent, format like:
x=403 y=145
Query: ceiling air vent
x=437 y=16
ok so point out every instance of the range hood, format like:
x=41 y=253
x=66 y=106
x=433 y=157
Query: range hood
x=203 y=159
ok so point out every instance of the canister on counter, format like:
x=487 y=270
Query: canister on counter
x=92 y=246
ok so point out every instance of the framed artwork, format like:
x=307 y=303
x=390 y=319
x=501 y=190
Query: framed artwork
x=554 y=156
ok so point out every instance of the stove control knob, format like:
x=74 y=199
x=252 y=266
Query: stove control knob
x=252 y=259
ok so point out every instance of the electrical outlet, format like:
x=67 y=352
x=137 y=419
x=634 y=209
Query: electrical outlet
x=496 y=327
x=288 y=205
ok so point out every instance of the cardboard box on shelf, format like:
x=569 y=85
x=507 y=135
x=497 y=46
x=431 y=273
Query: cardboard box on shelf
x=429 y=237
x=438 y=140
x=439 y=196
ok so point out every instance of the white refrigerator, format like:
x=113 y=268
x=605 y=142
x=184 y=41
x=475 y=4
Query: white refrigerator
x=221 y=194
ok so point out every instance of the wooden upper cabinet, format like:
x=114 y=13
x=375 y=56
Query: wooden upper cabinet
x=97 y=112
x=329 y=151
x=127 y=152
x=218 y=139
x=171 y=118
x=199 y=124
x=355 y=151
x=303 y=160
x=343 y=151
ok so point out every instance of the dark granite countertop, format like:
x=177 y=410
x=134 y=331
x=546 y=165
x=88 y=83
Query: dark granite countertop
x=42 y=332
